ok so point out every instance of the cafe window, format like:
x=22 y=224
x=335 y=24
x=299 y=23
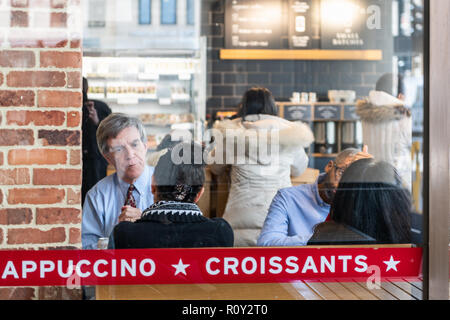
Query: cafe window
x=145 y=11
x=168 y=11
x=190 y=12
x=346 y=77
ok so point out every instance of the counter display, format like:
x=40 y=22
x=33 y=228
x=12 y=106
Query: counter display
x=165 y=93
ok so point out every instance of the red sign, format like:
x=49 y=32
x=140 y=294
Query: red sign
x=204 y=265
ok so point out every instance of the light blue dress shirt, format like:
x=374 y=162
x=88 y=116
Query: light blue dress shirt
x=293 y=213
x=104 y=201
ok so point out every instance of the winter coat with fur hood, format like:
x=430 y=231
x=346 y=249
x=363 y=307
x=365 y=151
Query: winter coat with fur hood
x=261 y=164
x=387 y=126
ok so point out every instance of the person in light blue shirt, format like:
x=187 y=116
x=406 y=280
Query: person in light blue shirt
x=295 y=211
x=123 y=195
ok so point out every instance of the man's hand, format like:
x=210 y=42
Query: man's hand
x=93 y=116
x=130 y=214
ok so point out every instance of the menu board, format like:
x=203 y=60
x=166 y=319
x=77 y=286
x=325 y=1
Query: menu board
x=253 y=24
x=349 y=24
x=304 y=24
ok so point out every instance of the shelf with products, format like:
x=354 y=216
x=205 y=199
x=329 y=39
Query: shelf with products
x=335 y=125
x=166 y=93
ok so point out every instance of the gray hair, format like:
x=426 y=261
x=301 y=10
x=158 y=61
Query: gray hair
x=344 y=154
x=112 y=125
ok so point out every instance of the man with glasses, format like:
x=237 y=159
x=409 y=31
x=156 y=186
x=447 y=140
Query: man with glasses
x=295 y=211
x=123 y=195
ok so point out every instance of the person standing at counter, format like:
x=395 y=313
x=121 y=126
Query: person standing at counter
x=387 y=125
x=256 y=177
x=94 y=165
x=123 y=195
x=295 y=211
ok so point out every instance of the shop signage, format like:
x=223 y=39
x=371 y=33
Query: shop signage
x=251 y=24
x=205 y=265
x=301 y=112
x=327 y=112
x=350 y=112
x=350 y=24
x=304 y=24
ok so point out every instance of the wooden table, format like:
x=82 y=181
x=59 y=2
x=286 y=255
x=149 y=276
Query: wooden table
x=332 y=233
x=299 y=290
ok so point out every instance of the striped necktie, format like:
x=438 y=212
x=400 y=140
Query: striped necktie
x=130 y=199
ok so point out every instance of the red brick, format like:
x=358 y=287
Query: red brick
x=15 y=176
x=1 y=242
x=74 y=80
x=56 y=177
x=73 y=196
x=17 y=59
x=58 y=215
x=35 y=236
x=37 y=156
x=36 y=79
x=60 y=137
x=74 y=235
x=35 y=41
x=1 y=197
x=15 y=293
x=1 y=160
x=75 y=43
x=19 y=18
x=59 y=99
x=19 y=3
x=59 y=293
x=35 y=196
x=19 y=98
x=58 y=20
x=61 y=59
x=58 y=4
x=12 y=137
x=39 y=3
x=38 y=118
x=73 y=119
x=15 y=216
x=75 y=157
x=1 y=77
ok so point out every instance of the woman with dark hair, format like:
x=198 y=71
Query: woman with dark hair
x=371 y=198
x=174 y=220
x=263 y=151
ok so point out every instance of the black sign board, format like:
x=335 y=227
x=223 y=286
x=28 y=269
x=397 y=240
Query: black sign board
x=350 y=24
x=304 y=24
x=350 y=112
x=299 y=112
x=327 y=112
x=253 y=24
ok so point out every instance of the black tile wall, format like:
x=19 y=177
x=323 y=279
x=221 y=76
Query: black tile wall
x=227 y=80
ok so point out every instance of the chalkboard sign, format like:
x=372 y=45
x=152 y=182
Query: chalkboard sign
x=295 y=113
x=350 y=112
x=350 y=24
x=304 y=24
x=253 y=24
x=327 y=112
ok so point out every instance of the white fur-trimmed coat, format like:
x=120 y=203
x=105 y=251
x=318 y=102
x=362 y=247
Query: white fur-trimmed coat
x=387 y=131
x=255 y=177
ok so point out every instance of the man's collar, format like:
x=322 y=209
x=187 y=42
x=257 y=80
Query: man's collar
x=140 y=182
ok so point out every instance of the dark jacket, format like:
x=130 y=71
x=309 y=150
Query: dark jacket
x=172 y=229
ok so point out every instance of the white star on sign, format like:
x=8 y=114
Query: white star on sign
x=180 y=267
x=391 y=264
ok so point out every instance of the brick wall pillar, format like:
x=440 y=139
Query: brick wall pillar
x=40 y=129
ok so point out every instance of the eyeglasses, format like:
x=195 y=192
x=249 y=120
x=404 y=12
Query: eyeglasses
x=121 y=150
x=338 y=171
